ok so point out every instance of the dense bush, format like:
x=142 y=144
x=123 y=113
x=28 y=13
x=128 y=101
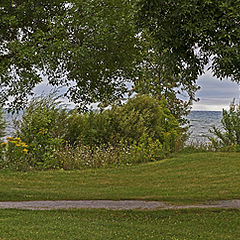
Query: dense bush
x=84 y=156
x=15 y=154
x=144 y=117
x=91 y=128
x=50 y=136
x=140 y=118
x=42 y=128
x=227 y=138
x=2 y=124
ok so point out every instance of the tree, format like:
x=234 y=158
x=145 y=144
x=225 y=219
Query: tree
x=157 y=81
x=88 y=46
x=190 y=34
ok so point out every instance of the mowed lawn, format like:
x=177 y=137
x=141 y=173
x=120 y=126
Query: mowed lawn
x=187 y=178
x=191 y=224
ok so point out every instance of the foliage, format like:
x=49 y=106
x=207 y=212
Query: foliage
x=154 y=79
x=141 y=130
x=147 y=150
x=91 y=128
x=88 y=46
x=186 y=35
x=15 y=153
x=146 y=117
x=42 y=128
x=139 y=119
x=95 y=49
x=228 y=137
x=84 y=156
x=2 y=124
x=197 y=147
x=2 y=153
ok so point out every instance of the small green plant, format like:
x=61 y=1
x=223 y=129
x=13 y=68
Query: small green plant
x=85 y=156
x=42 y=127
x=227 y=138
x=196 y=147
x=142 y=116
x=2 y=125
x=15 y=154
x=3 y=146
x=141 y=130
x=147 y=150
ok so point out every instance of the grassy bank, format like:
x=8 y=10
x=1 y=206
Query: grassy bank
x=187 y=178
x=102 y=224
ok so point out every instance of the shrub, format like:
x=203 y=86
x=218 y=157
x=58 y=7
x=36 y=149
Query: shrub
x=2 y=124
x=84 y=156
x=140 y=117
x=197 y=147
x=227 y=138
x=90 y=128
x=144 y=115
x=148 y=150
x=141 y=130
x=42 y=127
x=2 y=154
x=15 y=153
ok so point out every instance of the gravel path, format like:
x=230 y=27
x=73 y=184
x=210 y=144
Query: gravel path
x=114 y=205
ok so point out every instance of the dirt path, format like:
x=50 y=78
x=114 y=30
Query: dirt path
x=114 y=205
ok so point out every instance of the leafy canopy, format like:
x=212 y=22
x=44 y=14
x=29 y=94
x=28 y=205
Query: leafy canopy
x=190 y=34
x=88 y=46
x=95 y=48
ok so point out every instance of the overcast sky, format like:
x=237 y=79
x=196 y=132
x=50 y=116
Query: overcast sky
x=214 y=94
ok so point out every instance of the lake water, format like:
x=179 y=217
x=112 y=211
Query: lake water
x=200 y=121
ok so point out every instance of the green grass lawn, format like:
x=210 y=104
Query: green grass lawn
x=187 y=178
x=102 y=224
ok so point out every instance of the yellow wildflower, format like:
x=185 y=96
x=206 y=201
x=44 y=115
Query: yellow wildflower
x=4 y=143
x=17 y=139
x=9 y=138
x=24 y=145
x=25 y=150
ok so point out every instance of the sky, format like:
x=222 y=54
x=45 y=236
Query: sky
x=214 y=94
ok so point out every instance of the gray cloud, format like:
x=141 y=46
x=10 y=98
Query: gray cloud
x=215 y=94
